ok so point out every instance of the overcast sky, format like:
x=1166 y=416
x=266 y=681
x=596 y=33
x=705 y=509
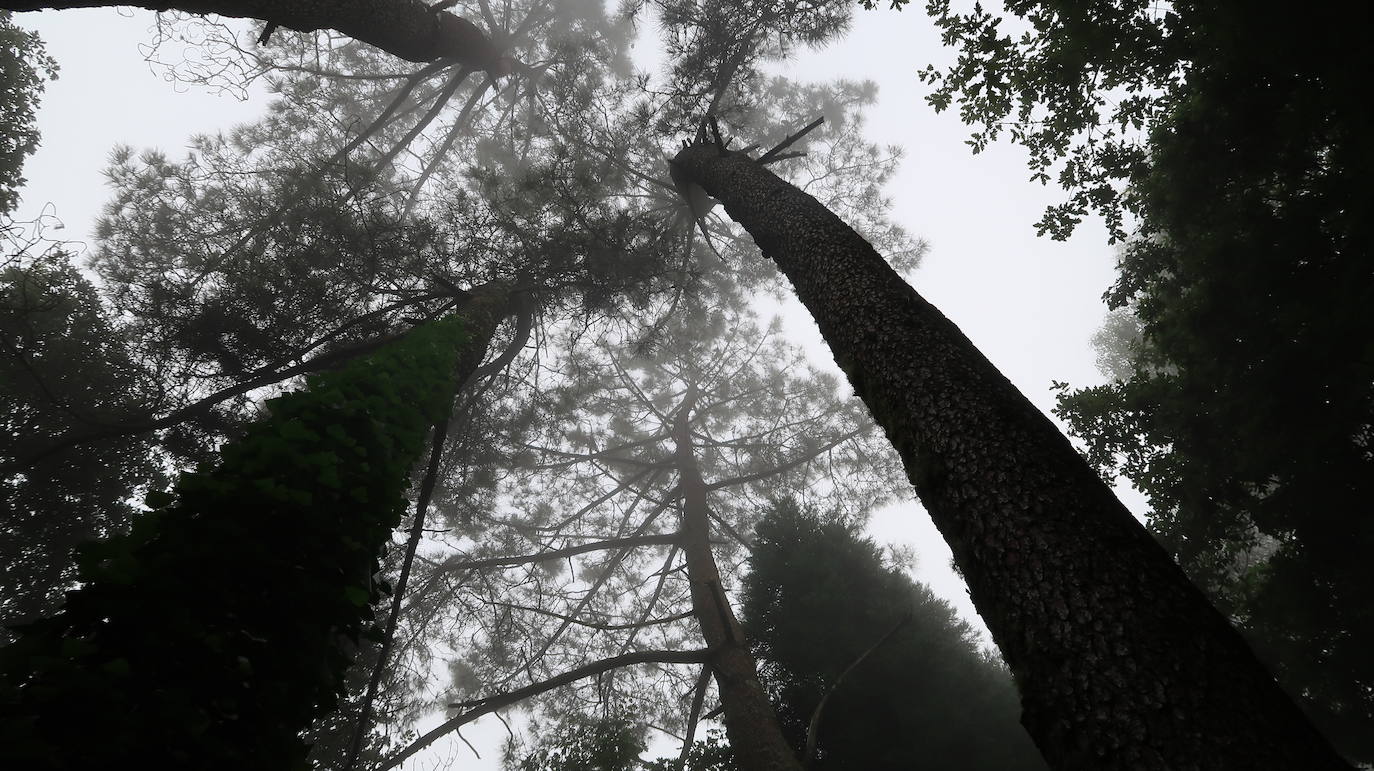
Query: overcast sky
x=1030 y=304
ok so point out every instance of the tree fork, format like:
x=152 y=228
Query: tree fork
x=1120 y=661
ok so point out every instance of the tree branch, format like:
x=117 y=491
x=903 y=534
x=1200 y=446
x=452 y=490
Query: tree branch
x=815 y=723
x=788 y=466
x=398 y=592
x=776 y=153
x=590 y=624
x=198 y=408
x=437 y=158
x=404 y=28
x=480 y=707
x=666 y=539
x=698 y=696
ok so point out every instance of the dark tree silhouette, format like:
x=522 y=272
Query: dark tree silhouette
x=195 y=640
x=63 y=362
x=868 y=669
x=24 y=68
x=1234 y=135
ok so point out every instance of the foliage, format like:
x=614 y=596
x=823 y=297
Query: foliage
x=1080 y=85
x=819 y=595
x=24 y=68
x=1235 y=136
x=710 y=754
x=591 y=457
x=63 y=364
x=223 y=622
x=1086 y=83
x=262 y=246
x=611 y=742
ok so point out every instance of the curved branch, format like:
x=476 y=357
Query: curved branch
x=524 y=325
x=480 y=707
x=814 y=725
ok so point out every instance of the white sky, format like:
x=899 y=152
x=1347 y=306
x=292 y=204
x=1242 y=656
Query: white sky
x=1030 y=304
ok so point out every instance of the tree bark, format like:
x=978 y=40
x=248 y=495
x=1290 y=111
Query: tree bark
x=750 y=721
x=403 y=28
x=1120 y=661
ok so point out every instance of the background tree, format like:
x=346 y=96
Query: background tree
x=609 y=742
x=816 y=598
x=64 y=363
x=609 y=459
x=24 y=67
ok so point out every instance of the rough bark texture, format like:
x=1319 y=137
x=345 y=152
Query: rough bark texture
x=404 y=28
x=750 y=721
x=1120 y=661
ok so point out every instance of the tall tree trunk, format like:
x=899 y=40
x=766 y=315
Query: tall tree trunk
x=1121 y=662
x=404 y=28
x=750 y=721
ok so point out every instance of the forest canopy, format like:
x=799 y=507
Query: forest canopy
x=449 y=388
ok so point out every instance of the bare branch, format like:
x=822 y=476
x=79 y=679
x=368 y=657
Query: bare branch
x=698 y=696
x=788 y=466
x=437 y=157
x=773 y=154
x=440 y=101
x=658 y=592
x=404 y=28
x=631 y=541
x=480 y=707
x=592 y=624
x=388 y=113
x=398 y=592
x=586 y=600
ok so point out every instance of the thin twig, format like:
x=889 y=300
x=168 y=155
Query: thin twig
x=814 y=725
x=790 y=140
x=398 y=591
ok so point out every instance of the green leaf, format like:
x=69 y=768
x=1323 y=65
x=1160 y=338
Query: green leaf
x=357 y=595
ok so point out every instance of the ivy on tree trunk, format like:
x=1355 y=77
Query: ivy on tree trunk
x=213 y=633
